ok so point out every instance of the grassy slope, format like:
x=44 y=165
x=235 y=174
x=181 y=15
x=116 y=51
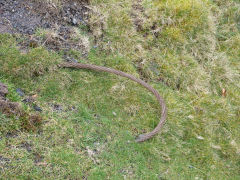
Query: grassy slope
x=188 y=50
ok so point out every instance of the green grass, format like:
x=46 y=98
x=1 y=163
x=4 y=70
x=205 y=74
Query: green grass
x=188 y=62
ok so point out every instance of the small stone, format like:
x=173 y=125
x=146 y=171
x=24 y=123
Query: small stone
x=191 y=167
x=191 y=117
x=216 y=147
x=37 y=108
x=57 y=107
x=200 y=137
x=68 y=59
x=74 y=21
x=20 y=92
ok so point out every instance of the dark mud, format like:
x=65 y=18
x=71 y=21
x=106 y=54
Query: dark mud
x=25 y=17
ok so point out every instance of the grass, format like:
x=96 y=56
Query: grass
x=187 y=50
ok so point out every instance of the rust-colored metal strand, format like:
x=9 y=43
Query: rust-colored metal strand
x=141 y=137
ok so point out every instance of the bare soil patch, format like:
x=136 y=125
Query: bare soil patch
x=26 y=16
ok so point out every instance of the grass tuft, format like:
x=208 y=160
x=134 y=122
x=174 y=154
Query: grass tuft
x=188 y=50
